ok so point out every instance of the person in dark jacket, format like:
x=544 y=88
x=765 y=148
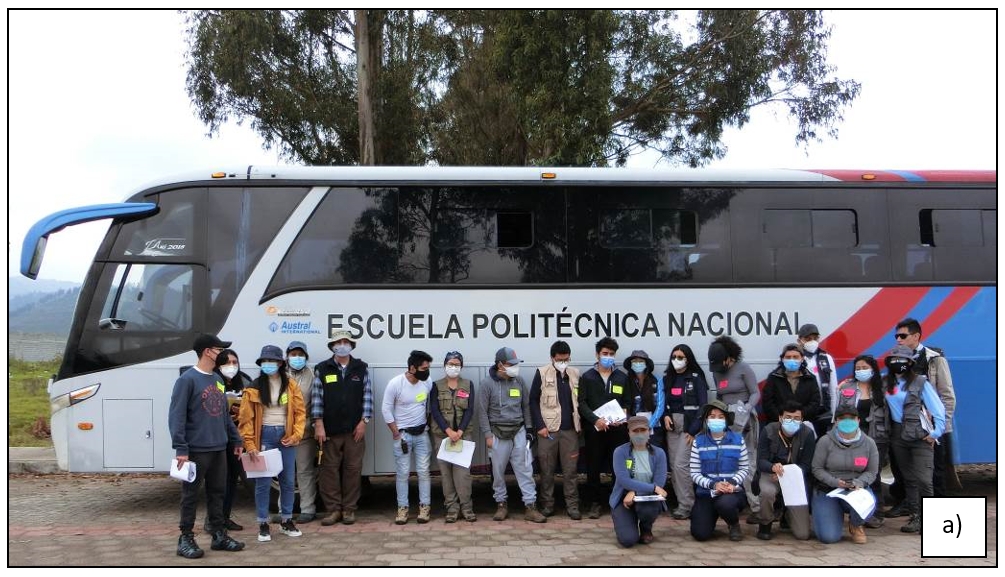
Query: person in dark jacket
x=643 y=392
x=681 y=392
x=791 y=381
x=784 y=442
x=640 y=470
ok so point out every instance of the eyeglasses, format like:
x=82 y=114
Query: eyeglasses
x=902 y=336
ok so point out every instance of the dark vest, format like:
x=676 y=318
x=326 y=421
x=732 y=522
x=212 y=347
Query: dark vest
x=824 y=369
x=452 y=406
x=911 y=419
x=342 y=394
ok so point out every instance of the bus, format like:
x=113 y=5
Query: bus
x=477 y=258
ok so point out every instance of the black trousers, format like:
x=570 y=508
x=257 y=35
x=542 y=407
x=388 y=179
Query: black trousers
x=600 y=447
x=943 y=460
x=210 y=467
x=708 y=510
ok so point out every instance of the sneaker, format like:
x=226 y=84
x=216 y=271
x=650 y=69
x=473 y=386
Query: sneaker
x=899 y=510
x=232 y=526
x=223 y=542
x=594 y=512
x=187 y=546
x=305 y=517
x=424 y=511
x=913 y=525
x=402 y=516
x=857 y=534
x=680 y=513
x=332 y=518
x=469 y=515
x=547 y=511
x=263 y=533
x=289 y=529
x=574 y=513
x=348 y=517
x=764 y=532
x=874 y=522
x=735 y=534
x=502 y=511
x=533 y=515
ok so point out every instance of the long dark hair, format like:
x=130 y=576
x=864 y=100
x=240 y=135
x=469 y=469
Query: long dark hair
x=692 y=363
x=262 y=385
x=240 y=380
x=891 y=379
x=876 y=382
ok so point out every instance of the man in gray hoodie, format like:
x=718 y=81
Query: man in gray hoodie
x=503 y=418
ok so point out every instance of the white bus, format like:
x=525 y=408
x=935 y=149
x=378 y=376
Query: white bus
x=474 y=259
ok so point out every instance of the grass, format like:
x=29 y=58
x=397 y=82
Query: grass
x=27 y=400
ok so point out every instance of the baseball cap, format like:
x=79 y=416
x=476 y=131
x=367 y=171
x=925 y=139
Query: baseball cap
x=507 y=355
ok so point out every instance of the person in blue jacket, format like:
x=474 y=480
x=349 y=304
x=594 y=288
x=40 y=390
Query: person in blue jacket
x=640 y=470
x=719 y=466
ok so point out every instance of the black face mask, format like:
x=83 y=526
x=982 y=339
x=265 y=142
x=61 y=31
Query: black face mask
x=422 y=375
x=898 y=368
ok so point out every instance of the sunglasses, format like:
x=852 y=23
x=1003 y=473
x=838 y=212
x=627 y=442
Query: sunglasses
x=901 y=336
x=676 y=358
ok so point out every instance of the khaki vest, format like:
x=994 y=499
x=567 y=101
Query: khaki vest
x=551 y=411
x=451 y=406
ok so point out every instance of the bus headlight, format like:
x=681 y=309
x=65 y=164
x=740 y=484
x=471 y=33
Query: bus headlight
x=72 y=398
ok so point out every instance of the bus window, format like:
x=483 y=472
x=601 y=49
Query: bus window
x=945 y=228
x=172 y=232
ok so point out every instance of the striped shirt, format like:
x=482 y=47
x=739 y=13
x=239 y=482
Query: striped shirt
x=711 y=444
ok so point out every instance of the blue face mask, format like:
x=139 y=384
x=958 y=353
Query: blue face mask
x=791 y=426
x=863 y=375
x=791 y=364
x=847 y=426
x=608 y=362
x=716 y=425
x=298 y=363
x=270 y=368
x=639 y=368
x=342 y=350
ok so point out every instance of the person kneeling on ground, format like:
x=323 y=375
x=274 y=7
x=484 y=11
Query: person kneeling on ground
x=640 y=470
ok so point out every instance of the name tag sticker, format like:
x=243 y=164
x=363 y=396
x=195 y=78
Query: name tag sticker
x=331 y=378
x=420 y=397
x=628 y=463
x=616 y=389
x=861 y=461
x=676 y=391
x=284 y=398
x=514 y=392
x=462 y=394
x=848 y=392
x=723 y=384
x=220 y=386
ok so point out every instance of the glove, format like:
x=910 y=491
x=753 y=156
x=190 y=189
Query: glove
x=530 y=437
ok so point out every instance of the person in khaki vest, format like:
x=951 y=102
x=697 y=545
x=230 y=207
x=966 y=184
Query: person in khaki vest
x=451 y=406
x=554 y=408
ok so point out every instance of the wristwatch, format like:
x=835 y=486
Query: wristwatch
x=366 y=420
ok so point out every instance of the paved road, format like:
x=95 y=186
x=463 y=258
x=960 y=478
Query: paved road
x=115 y=520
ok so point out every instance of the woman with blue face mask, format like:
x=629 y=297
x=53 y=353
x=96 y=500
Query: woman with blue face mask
x=719 y=466
x=790 y=381
x=865 y=390
x=640 y=471
x=272 y=417
x=844 y=458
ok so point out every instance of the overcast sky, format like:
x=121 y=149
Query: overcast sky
x=97 y=107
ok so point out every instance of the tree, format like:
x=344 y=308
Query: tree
x=514 y=87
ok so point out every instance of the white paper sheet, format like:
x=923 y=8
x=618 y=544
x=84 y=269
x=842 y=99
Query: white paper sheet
x=611 y=412
x=186 y=473
x=644 y=498
x=267 y=464
x=462 y=459
x=861 y=500
x=793 y=486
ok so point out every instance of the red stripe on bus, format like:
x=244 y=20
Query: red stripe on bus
x=872 y=322
x=928 y=175
x=948 y=307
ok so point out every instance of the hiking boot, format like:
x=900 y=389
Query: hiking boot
x=874 y=522
x=548 y=510
x=401 y=517
x=754 y=519
x=305 y=517
x=348 y=517
x=857 y=534
x=574 y=513
x=594 y=512
x=502 y=511
x=332 y=518
x=263 y=533
x=646 y=538
x=423 y=513
x=899 y=510
x=735 y=534
x=533 y=515
x=451 y=516
x=289 y=529
x=913 y=525
x=680 y=513
x=764 y=532
x=223 y=542
x=232 y=526
x=469 y=515
x=187 y=546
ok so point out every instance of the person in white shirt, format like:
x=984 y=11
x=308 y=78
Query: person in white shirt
x=404 y=409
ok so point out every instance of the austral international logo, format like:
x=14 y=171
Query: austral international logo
x=294 y=328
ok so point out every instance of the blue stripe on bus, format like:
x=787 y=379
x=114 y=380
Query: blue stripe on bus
x=908 y=176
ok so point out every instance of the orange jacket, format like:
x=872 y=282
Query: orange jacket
x=252 y=413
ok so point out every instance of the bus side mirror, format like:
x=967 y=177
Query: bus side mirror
x=112 y=324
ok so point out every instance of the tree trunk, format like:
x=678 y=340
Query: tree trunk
x=365 y=69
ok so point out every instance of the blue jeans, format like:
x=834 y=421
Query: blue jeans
x=828 y=516
x=419 y=447
x=271 y=437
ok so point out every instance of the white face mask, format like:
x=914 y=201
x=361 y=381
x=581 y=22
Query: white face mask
x=811 y=346
x=561 y=366
x=513 y=371
x=229 y=371
x=452 y=371
x=678 y=364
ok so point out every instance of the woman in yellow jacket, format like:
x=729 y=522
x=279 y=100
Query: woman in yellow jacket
x=272 y=417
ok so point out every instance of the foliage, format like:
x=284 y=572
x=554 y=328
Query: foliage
x=27 y=400
x=513 y=87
